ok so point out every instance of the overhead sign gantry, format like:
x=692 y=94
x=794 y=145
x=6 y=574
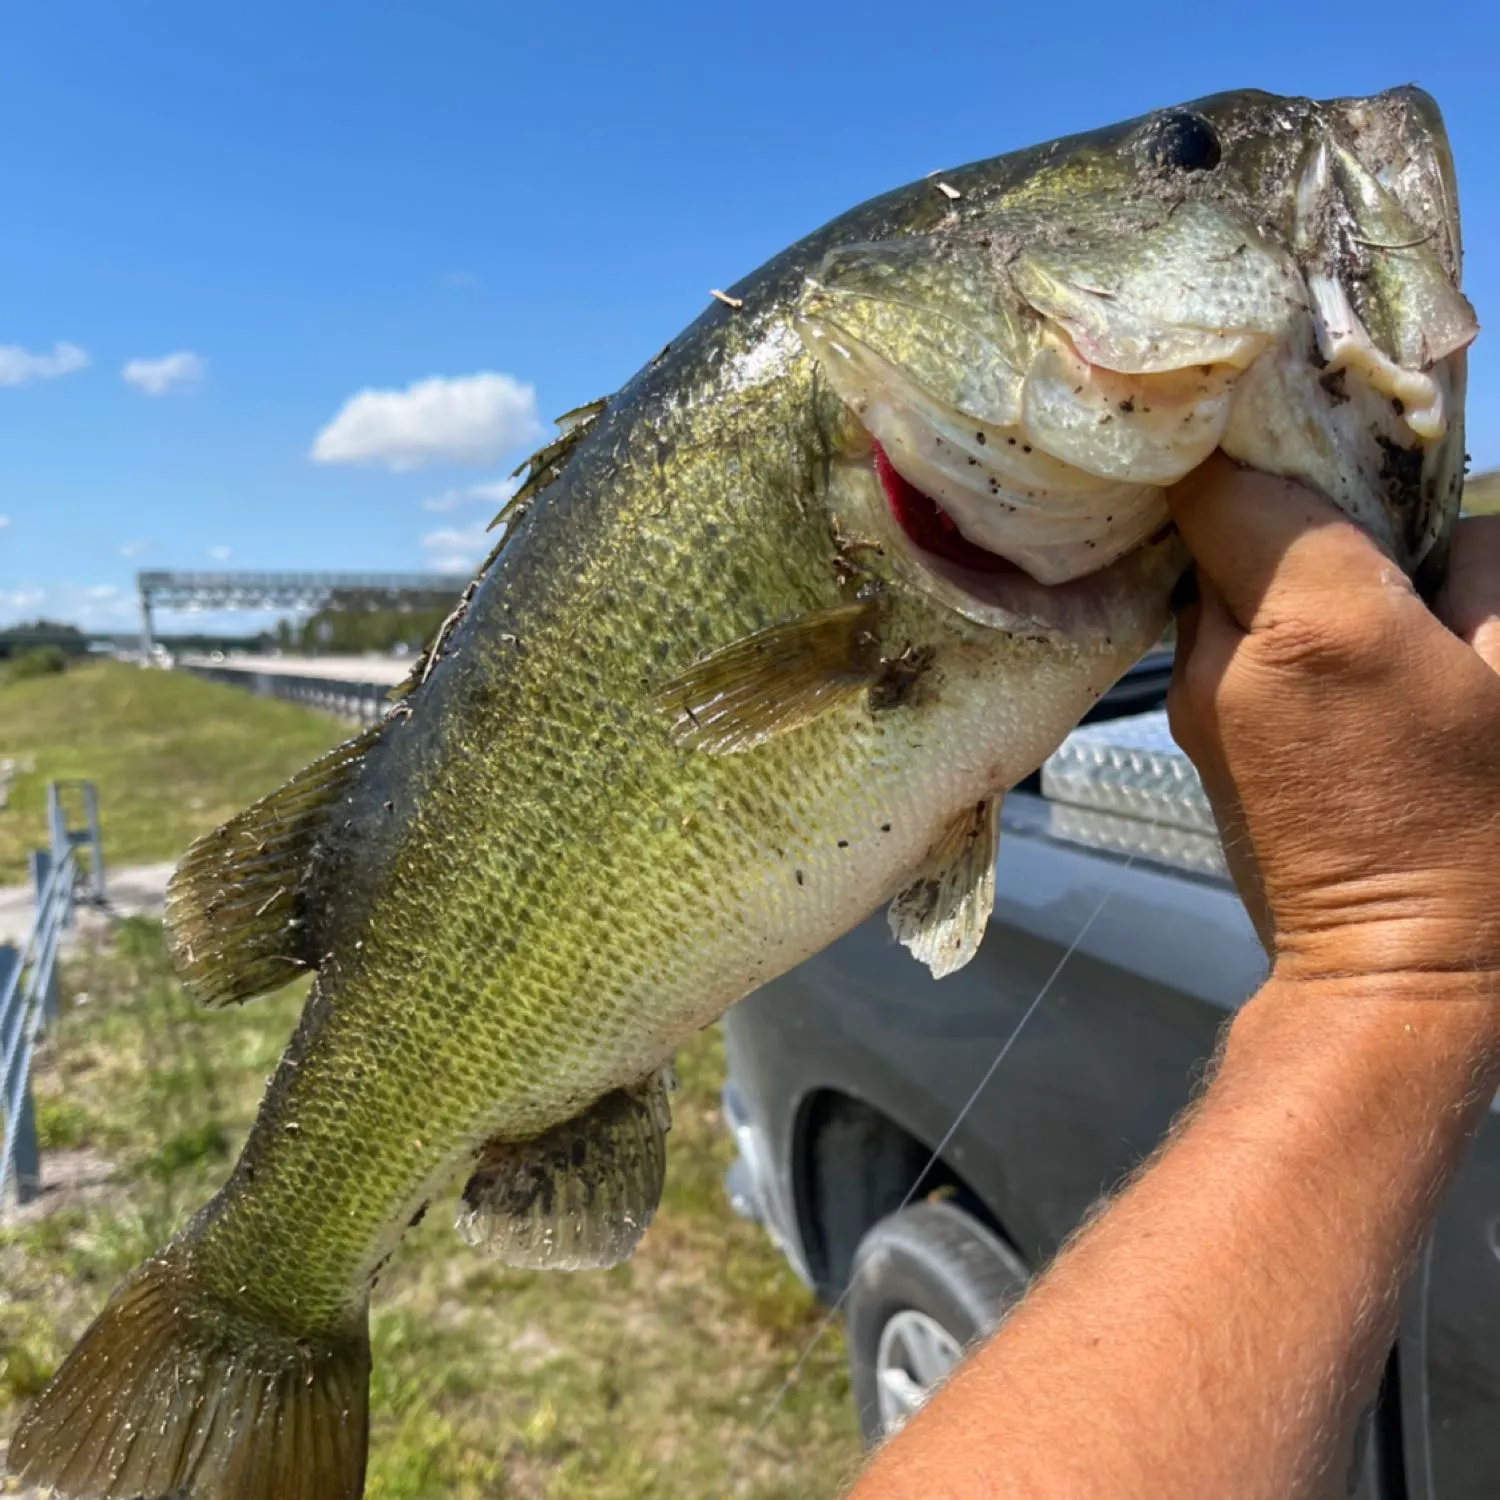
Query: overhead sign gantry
x=196 y=591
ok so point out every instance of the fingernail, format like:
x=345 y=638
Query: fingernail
x=1185 y=590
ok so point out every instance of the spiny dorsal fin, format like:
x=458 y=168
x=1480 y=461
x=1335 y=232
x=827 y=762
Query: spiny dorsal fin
x=236 y=906
x=579 y=1196
x=940 y=916
x=774 y=680
x=547 y=462
x=540 y=469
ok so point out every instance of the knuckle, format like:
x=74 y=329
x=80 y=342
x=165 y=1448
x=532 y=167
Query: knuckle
x=1335 y=643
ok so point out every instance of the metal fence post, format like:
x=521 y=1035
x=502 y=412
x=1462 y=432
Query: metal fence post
x=96 y=849
x=41 y=864
x=30 y=985
x=57 y=823
x=25 y=1160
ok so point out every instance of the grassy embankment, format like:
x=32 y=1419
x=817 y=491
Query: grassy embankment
x=1482 y=494
x=642 y=1381
x=172 y=756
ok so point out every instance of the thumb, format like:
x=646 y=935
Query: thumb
x=1260 y=539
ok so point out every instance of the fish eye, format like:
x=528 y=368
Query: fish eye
x=1183 y=141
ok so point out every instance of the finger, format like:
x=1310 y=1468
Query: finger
x=1184 y=603
x=1256 y=535
x=1185 y=590
x=1182 y=712
x=1469 y=601
x=1187 y=632
x=1206 y=638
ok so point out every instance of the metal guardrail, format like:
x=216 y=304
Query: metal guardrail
x=69 y=869
x=363 y=702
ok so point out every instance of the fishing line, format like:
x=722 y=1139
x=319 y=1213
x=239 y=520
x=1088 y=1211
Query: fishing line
x=774 y=1405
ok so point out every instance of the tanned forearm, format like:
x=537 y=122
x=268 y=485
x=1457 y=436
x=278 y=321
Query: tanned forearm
x=1195 y=1339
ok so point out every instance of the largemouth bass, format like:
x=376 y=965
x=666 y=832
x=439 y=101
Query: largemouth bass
x=767 y=636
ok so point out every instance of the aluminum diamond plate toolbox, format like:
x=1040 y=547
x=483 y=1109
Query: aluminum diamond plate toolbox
x=1125 y=785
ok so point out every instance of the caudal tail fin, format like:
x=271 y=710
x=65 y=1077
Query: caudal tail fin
x=173 y=1393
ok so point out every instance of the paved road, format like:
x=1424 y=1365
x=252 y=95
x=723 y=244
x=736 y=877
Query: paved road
x=134 y=891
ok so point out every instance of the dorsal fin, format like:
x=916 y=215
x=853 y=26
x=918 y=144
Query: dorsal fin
x=540 y=470
x=236 y=905
x=547 y=462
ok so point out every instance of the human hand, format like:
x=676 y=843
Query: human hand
x=1348 y=738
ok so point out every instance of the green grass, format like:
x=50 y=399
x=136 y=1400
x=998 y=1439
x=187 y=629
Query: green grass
x=172 y=756
x=644 y=1380
x=1482 y=494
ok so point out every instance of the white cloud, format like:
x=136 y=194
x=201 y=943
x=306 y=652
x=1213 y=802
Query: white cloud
x=465 y=419
x=157 y=376
x=458 y=549
x=4 y=522
x=18 y=365
x=96 y=606
x=219 y=554
x=496 y=492
x=17 y=602
x=131 y=549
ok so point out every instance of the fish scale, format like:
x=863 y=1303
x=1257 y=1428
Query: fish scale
x=527 y=1009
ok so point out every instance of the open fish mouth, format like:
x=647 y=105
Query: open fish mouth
x=992 y=588
x=988 y=499
x=1033 y=379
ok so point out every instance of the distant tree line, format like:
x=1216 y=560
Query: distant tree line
x=33 y=635
x=354 y=621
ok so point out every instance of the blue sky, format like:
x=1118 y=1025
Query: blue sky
x=303 y=202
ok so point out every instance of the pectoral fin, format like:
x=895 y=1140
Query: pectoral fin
x=774 y=680
x=941 y=916
x=578 y=1197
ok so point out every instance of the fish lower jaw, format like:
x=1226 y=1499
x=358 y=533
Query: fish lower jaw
x=994 y=589
x=1053 y=539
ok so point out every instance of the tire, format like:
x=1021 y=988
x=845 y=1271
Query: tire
x=928 y=1281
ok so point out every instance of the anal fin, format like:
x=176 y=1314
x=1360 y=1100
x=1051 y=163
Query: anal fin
x=579 y=1196
x=236 y=907
x=940 y=917
x=774 y=679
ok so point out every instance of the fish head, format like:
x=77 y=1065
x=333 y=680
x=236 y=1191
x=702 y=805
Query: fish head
x=1079 y=329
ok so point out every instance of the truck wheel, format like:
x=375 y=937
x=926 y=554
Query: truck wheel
x=927 y=1281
